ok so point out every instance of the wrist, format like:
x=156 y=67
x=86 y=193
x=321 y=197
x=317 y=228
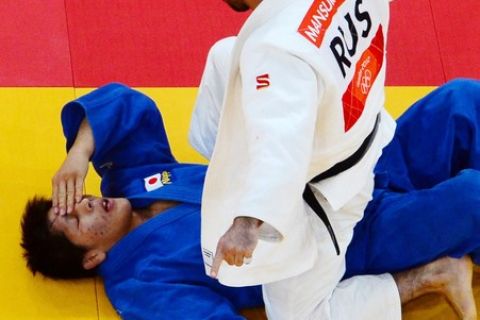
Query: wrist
x=248 y=222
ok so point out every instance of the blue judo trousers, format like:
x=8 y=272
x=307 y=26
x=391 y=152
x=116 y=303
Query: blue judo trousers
x=426 y=202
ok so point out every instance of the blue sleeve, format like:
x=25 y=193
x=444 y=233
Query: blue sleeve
x=127 y=128
x=136 y=299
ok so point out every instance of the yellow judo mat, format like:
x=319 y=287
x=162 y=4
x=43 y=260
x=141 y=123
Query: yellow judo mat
x=32 y=148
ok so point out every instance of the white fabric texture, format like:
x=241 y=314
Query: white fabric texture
x=206 y=112
x=318 y=292
x=272 y=140
x=266 y=143
x=376 y=297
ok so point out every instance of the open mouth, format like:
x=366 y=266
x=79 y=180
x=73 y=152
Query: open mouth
x=107 y=204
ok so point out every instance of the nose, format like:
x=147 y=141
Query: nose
x=83 y=207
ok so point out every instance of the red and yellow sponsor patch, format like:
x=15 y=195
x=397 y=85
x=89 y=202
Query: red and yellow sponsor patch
x=366 y=71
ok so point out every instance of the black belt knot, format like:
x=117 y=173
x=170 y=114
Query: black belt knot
x=344 y=165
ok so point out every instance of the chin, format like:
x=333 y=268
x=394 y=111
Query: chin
x=124 y=205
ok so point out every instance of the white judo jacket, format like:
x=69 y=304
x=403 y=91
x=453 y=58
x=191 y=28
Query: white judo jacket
x=306 y=84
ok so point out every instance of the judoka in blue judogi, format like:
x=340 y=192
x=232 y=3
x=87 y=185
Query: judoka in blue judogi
x=425 y=203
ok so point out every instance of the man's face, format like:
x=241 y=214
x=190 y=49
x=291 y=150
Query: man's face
x=237 y=5
x=94 y=222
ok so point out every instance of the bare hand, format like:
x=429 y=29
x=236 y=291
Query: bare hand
x=237 y=244
x=67 y=184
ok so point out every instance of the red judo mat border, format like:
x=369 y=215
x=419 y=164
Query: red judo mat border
x=164 y=43
x=34 y=44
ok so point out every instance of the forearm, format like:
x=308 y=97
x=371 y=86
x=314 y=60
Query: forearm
x=84 y=144
x=67 y=183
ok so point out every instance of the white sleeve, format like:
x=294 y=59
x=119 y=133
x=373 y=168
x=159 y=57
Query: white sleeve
x=208 y=105
x=280 y=98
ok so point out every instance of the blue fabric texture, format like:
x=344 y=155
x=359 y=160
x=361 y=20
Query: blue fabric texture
x=156 y=271
x=130 y=145
x=427 y=187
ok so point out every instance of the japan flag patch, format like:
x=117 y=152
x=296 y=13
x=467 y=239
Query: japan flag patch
x=153 y=182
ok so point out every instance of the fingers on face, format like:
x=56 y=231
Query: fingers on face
x=65 y=193
x=61 y=197
x=78 y=189
x=70 y=194
x=54 y=195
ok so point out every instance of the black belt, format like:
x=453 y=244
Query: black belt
x=344 y=165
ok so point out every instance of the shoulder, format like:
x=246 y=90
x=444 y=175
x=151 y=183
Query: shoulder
x=222 y=49
x=222 y=45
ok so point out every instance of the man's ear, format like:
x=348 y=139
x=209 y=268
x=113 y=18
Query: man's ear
x=93 y=258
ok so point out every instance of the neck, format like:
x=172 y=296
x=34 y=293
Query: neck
x=156 y=208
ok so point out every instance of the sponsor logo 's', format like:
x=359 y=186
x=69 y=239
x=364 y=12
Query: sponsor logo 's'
x=318 y=19
x=263 y=81
x=366 y=72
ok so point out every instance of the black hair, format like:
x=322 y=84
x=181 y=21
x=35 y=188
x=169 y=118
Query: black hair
x=47 y=252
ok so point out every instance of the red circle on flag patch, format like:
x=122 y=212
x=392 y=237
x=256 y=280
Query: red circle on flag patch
x=152 y=180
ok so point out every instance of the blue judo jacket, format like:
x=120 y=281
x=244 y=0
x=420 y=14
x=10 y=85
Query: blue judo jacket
x=155 y=271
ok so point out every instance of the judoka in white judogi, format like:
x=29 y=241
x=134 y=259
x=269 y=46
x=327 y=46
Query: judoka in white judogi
x=305 y=86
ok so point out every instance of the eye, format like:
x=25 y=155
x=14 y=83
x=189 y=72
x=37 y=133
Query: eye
x=89 y=204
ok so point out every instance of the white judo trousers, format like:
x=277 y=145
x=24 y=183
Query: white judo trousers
x=319 y=292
